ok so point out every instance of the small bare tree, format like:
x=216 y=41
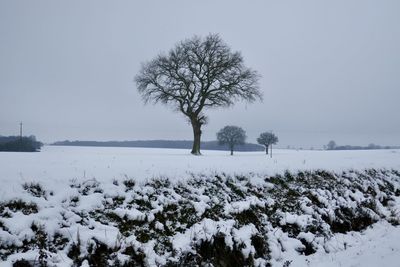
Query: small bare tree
x=331 y=145
x=231 y=136
x=197 y=74
x=267 y=139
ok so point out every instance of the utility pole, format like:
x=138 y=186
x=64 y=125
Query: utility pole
x=20 y=131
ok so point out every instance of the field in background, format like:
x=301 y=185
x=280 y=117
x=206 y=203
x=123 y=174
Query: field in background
x=61 y=163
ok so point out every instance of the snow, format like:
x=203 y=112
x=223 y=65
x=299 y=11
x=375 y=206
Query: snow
x=58 y=166
x=300 y=220
x=376 y=246
x=79 y=180
x=243 y=235
x=62 y=163
x=131 y=214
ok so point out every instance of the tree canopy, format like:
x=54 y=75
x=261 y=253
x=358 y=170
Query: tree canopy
x=266 y=139
x=231 y=136
x=331 y=145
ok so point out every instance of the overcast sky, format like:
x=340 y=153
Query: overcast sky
x=330 y=69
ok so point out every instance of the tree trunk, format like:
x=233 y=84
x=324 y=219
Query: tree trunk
x=266 y=150
x=231 y=150
x=196 y=137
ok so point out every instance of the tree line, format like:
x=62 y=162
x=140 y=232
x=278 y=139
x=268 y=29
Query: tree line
x=175 y=144
x=333 y=146
x=20 y=144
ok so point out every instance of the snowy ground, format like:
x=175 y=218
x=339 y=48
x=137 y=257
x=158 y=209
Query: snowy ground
x=376 y=246
x=66 y=173
x=61 y=163
x=57 y=165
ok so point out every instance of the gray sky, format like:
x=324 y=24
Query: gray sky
x=330 y=69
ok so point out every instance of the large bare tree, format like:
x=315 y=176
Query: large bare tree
x=198 y=73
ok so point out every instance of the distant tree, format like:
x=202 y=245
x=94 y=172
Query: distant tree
x=231 y=136
x=198 y=73
x=373 y=146
x=22 y=144
x=267 y=139
x=331 y=145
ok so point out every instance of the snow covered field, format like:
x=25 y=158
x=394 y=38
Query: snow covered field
x=94 y=192
x=57 y=165
x=62 y=163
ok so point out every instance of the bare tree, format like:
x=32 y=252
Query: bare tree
x=231 y=136
x=331 y=145
x=267 y=139
x=198 y=73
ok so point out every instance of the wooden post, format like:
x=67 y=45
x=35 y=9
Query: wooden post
x=271 y=151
